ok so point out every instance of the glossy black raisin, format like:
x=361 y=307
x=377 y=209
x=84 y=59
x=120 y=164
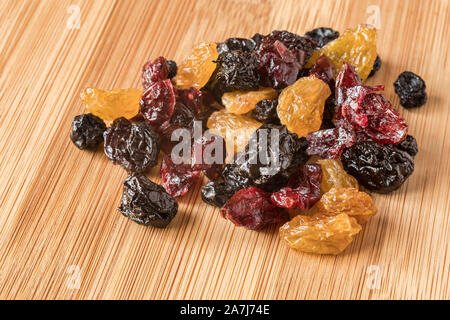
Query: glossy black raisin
x=266 y=111
x=379 y=168
x=172 y=65
x=146 y=202
x=322 y=35
x=376 y=66
x=242 y=44
x=411 y=90
x=134 y=146
x=217 y=193
x=87 y=131
x=408 y=145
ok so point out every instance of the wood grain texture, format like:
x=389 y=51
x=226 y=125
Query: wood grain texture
x=58 y=204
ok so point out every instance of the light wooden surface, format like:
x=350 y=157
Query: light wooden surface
x=58 y=204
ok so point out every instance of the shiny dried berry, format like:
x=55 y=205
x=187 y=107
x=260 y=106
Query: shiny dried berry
x=330 y=143
x=409 y=145
x=196 y=70
x=235 y=129
x=217 y=193
x=239 y=102
x=172 y=66
x=266 y=111
x=370 y=114
x=302 y=191
x=376 y=67
x=87 y=131
x=236 y=71
x=208 y=155
x=281 y=56
x=154 y=71
x=324 y=69
x=146 y=202
x=411 y=90
x=301 y=105
x=177 y=178
x=158 y=103
x=319 y=233
x=328 y=113
x=134 y=146
x=242 y=44
x=357 y=47
x=252 y=209
x=379 y=168
x=350 y=201
x=322 y=35
x=111 y=104
x=272 y=154
x=182 y=116
x=334 y=176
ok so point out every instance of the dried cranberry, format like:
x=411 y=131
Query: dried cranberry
x=330 y=143
x=205 y=158
x=323 y=69
x=158 y=103
x=303 y=189
x=177 y=178
x=252 y=209
x=154 y=71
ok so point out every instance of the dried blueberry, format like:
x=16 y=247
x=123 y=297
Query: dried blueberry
x=217 y=193
x=87 y=131
x=322 y=35
x=411 y=90
x=408 y=145
x=172 y=65
x=376 y=66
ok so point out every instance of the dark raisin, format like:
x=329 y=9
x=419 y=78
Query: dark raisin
x=154 y=71
x=146 y=202
x=322 y=35
x=252 y=209
x=237 y=70
x=134 y=146
x=158 y=102
x=379 y=168
x=328 y=113
x=232 y=44
x=217 y=193
x=408 y=145
x=411 y=90
x=177 y=178
x=281 y=55
x=266 y=111
x=87 y=131
x=376 y=66
x=172 y=65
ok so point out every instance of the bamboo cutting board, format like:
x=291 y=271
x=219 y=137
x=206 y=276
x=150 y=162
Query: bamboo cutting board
x=61 y=235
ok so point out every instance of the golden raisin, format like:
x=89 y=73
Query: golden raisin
x=334 y=176
x=112 y=104
x=350 y=201
x=240 y=102
x=320 y=233
x=196 y=69
x=300 y=106
x=356 y=46
x=235 y=129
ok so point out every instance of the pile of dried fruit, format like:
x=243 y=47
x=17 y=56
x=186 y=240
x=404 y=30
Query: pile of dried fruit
x=302 y=132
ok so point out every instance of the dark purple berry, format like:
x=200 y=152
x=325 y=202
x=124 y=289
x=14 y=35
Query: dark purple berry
x=87 y=131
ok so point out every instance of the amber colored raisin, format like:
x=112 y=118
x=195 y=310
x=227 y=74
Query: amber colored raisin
x=319 y=233
x=300 y=106
x=334 y=176
x=196 y=70
x=356 y=46
x=112 y=104
x=240 y=102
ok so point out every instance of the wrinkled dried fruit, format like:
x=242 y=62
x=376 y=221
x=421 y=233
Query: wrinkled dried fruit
x=111 y=104
x=197 y=69
x=350 y=201
x=302 y=191
x=409 y=145
x=172 y=65
x=266 y=111
x=242 y=44
x=324 y=69
x=370 y=114
x=208 y=155
x=134 y=146
x=319 y=233
x=301 y=105
x=235 y=129
x=146 y=202
x=334 y=176
x=411 y=90
x=322 y=35
x=87 y=131
x=252 y=209
x=177 y=178
x=379 y=168
x=282 y=55
x=357 y=47
x=154 y=71
x=239 y=102
x=330 y=143
x=376 y=67
x=216 y=193
x=158 y=102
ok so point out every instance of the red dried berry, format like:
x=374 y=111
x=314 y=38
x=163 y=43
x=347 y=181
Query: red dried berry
x=158 y=103
x=177 y=178
x=330 y=143
x=303 y=189
x=205 y=158
x=154 y=71
x=252 y=209
x=323 y=69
